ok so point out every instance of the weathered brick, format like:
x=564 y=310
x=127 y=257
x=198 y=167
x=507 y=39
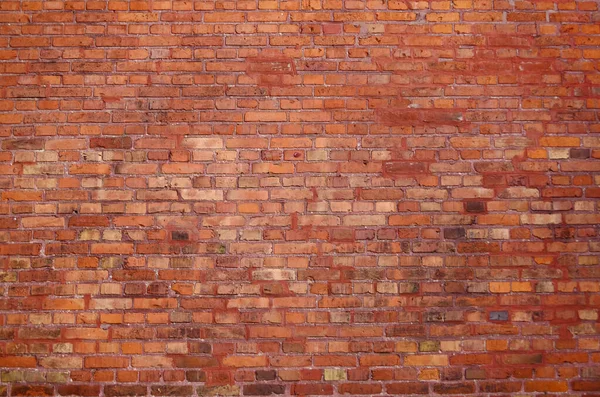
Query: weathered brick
x=260 y=389
x=171 y=390
x=125 y=390
x=32 y=390
x=546 y=386
x=299 y=197
x=78 y=390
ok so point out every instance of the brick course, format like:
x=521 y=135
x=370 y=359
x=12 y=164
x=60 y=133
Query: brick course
x=302 y=197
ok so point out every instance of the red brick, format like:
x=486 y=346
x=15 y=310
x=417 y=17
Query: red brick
x=85 y=333
x=360 y=388
x=79 y=390
x=312 y=389
x=194 y=362
x=585 y=385
x=18 y=361
x=125 y=390
x=407 y=388
x=32 y=390
x=546 y=386
x=89 y=221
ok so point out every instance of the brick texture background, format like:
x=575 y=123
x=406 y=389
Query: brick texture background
x=303 y=197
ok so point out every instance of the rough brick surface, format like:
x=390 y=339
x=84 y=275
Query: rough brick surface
x=302 y=197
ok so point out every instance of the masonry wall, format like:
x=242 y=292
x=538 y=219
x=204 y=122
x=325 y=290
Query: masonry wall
x=304 y=197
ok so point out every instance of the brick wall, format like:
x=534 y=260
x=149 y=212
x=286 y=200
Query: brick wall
x=299 y=197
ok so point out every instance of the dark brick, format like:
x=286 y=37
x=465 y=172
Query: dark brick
x=586 y=385
x=312 y=389
x=534 y=358
x=39 y=333
x=23 y=144
x=475 y=373
x=223 y=390
x=408 y=388
x=576 y=153
x=200 y=347
x=457 y=388
x=169 y=390
x=111 y=143
x=405 y=168
x=158 y=289
x=79 y=390
x=195 y=376
x=405 y=330
x=499 y=316
x=454 y=233
x=180 y=236
x=125 y=390
x=134 y=289
x=32 y=390
x=450 y=374
x=261 y=389
x=194 y=362
x=293 y=347
x=266 y=375
x=500 y=387
x=475 y=206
